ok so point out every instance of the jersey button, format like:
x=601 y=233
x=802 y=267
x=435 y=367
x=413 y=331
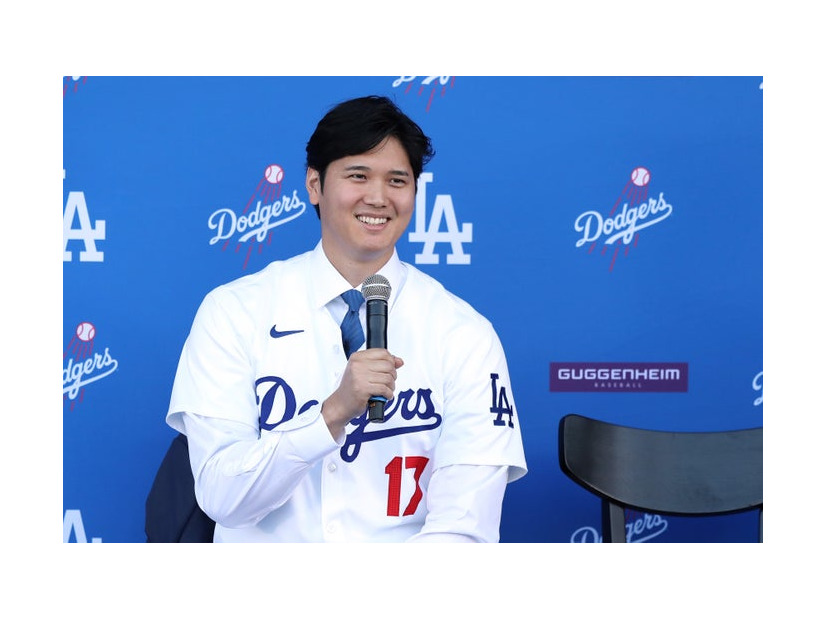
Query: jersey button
x=331 y=467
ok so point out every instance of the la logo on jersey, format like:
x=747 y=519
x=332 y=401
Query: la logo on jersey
x=499 y=403
x=87 y=233
x=430 y=233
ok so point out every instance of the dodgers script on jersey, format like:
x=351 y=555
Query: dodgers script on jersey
x=269 y=353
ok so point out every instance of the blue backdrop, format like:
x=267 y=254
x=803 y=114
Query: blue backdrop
x=597 y=222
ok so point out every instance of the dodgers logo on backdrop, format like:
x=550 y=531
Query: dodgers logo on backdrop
x=83 y=365
x=619 y=230
x=757 y=386
x=639 y=527
x=430 y=84
x=266 y=209
x=76 y=209
x=430 y=233
x=72 y=83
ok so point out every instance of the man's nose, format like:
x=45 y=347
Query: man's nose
x=376 y=194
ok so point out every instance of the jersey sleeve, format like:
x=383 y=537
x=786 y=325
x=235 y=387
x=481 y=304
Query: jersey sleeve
x=215 y=376
x=481 y=425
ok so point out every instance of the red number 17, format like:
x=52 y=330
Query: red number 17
x=394 y=485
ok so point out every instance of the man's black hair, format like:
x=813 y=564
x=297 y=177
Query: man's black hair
x=359 y=125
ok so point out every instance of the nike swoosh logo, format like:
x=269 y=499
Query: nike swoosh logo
x=277 y=334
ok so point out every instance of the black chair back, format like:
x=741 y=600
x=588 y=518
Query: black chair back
x=662 y=472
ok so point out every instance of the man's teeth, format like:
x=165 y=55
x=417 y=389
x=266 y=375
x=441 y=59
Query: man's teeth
x=371 y=220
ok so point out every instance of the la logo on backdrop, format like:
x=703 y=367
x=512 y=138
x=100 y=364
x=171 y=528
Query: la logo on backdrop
x=619 y=230
x=443 y=226
x=77 y=211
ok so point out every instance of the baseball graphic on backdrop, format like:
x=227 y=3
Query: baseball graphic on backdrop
x=85 y=331
x=640 y=176
x=274 y=173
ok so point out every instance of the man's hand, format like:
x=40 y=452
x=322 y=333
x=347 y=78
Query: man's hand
x=371 y=372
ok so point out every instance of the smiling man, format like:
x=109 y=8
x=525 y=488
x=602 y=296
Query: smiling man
x=272 y=391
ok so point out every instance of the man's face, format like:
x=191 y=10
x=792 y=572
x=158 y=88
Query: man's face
x=366 y=204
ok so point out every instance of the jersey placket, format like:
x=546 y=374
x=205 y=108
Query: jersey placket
x=333 y=501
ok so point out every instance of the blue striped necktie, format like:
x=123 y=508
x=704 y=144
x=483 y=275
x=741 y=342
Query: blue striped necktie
x=352 y=335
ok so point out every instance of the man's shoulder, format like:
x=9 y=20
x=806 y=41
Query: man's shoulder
x=262 y=281
x=255 y=292
x=433 y=295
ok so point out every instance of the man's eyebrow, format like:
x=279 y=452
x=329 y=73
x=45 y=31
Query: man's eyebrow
x=361 y=167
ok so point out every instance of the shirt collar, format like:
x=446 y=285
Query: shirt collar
x=328 y=283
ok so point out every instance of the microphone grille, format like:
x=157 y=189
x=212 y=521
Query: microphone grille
x=376 y=287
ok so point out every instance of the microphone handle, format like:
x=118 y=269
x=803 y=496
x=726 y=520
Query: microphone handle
x=376 y=339
x=375 y=409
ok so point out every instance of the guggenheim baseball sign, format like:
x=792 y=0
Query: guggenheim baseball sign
x=619 y=377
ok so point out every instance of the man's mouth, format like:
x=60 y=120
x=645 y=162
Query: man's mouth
x=372 y=221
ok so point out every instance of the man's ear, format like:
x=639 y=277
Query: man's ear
x=313 y=183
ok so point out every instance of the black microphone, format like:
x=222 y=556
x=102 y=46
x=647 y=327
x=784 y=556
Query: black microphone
x=376 y=291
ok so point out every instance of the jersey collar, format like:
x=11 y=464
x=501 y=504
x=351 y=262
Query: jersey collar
x=328 y=283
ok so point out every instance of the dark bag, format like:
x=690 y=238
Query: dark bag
x=172 y=514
